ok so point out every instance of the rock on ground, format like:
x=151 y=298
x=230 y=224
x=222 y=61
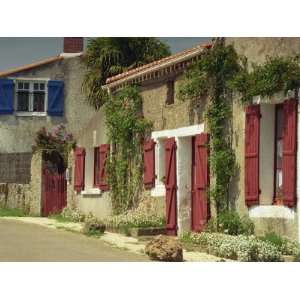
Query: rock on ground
x=164 y=248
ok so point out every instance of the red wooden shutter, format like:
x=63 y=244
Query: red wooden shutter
x=200 y=182
x=149 y=164
x=79 y=169
x=252 y=155
x=289 y=152
x=171 y=186
x=103 y=155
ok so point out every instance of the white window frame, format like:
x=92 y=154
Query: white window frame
x=89 y=189
x=31 y=82
x=159 y=189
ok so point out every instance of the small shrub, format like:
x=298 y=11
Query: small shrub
x=230 y=223
x=74 y=215
x=93 y=226
x=297 y=257
x=285 y=246
x=274 y=239
x=239 y=247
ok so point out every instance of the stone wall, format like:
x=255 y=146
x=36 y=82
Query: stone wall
x=15 y=167
x=169 y=116
x=28 y=196
x=14 y=195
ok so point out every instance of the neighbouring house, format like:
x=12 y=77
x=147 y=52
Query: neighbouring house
x=44 y=93
x=176 y=159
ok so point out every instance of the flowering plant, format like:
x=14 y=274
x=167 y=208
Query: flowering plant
x=58 y=139
x=240 y=247
x=74 y=215
x=134 y=219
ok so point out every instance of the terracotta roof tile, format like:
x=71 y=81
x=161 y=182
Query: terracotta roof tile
x=31 y=66
x=158 y=62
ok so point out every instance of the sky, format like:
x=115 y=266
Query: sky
x=17 y=51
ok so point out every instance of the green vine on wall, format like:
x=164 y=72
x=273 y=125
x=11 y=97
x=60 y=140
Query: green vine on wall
x=277 y=74
x=126 y=129
x=210 y=77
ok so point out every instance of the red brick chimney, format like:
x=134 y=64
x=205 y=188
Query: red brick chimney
x=73 y=44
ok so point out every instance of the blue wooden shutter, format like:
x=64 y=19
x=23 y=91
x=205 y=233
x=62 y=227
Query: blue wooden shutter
x=55 y=98
x=6 y=96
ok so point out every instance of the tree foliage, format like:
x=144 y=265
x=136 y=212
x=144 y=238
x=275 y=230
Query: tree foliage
x=109 y=56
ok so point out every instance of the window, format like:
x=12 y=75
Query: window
x=170 y=92
x=30 y=96
x=278 y=193
x=96 y=167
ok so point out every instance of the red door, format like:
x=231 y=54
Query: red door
x=200 y=181
x=171 y=186
x=54 y=187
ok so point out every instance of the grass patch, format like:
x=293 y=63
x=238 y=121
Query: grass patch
x=60 y=218
x=94 y=233
x=11 y=212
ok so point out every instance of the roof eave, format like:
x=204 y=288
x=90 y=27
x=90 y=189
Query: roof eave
x=153 y=69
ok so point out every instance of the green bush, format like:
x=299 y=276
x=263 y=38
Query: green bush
x=230 y=223
x=93 y=226
x=274 y=239
x=73 y=215
x=239 y=247
x=297 y=257
x=285 y=246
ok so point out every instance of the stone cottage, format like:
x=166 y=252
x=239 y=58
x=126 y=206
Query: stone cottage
x=265 y=140
x=41 y=94
x=177 y=128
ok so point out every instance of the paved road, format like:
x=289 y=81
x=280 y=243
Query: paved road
x=28 y=242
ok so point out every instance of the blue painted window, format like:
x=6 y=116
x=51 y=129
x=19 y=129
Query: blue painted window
x=6 y=96
x=55 y=98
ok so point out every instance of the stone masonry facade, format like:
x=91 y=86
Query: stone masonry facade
x=15 y=167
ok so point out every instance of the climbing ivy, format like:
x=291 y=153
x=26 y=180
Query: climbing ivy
x=126 y=129
x=275 y=75
x=210 y=77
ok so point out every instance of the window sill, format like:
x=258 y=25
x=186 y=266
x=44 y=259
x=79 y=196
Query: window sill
x=158 y=191
x=91 y=192
x=31 y=114
x=271 y=211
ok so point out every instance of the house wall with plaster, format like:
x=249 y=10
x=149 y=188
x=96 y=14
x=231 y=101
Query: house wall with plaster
x=90 y=200
x=266 y=216
x=18 y=132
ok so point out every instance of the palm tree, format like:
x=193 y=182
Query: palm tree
x=108 y=56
